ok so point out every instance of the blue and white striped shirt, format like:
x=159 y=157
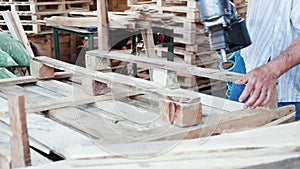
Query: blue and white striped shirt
x=273 y=25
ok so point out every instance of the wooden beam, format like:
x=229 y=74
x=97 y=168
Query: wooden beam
x=223 y=151
x=15 y=27
x=70 y=101
x=231 y=121
x=92 y=87
x=180 y=114
x=96 y=63
x=178 y=67
x=103 y=28
x=20 y=150
x=118 y=79
x=163 y=77
x=18 y=80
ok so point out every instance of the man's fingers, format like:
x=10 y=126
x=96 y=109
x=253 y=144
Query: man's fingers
x=248 y=89
x=242 y=81
x=253 y=98
x=261 y=99
x=268 y=98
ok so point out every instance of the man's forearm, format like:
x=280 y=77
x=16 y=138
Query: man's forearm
x=288 y=59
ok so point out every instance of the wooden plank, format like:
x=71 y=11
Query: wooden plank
x=50 y=135
x=225 y=151
x=103 y=29
x=19 y=142
x=30 y=97
x=36 y=159
x=14 y=25
x=18 y=80
x=55 y=103
x=282 y=120
x=90 y=124
x=118 y=79
x=228 y=122
x=177 y=67
x=217 y=122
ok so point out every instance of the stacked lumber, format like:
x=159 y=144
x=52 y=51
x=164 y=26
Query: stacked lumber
x=117 y=5
x=191 y=45
x=69 y=46
x=33 y=12
x=241 y=7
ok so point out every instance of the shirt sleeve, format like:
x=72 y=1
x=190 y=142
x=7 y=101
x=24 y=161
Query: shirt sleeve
x=295 y=15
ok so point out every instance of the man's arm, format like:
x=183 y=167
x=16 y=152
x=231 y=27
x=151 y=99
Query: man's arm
x=261 y=81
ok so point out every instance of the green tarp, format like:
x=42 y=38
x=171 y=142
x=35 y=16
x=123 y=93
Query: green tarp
x=15 y=50
x=4 y=73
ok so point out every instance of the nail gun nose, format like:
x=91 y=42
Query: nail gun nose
x=222 y=52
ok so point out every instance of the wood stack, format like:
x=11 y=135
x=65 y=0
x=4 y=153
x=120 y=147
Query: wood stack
x=69 y=46
x=241 y=7
x=32 y=12
x=191 y=41
x=117 y=5
x=191 y=45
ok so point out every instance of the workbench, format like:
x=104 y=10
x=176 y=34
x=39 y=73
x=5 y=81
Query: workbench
x=72 y=31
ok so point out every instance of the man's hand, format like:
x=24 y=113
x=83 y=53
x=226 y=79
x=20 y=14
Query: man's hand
x=260 y=83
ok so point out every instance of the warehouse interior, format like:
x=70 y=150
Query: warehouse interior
x=92 y=84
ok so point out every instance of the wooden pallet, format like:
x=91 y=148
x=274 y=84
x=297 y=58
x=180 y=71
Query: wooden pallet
x=91 y=120
x=187 y=3
x=32 y=13
x=69 y=46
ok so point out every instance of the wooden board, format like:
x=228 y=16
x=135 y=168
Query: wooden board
x=237 y=150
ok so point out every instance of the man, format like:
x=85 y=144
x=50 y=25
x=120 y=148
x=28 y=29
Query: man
x=274 y=54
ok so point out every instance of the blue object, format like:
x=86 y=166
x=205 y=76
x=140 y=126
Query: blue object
x=231 y=59
x=239 y=67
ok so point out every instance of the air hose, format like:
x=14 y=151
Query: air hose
x=231 y=60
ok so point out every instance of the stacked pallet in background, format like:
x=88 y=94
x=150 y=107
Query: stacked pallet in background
x=241 y=6
x=117 y=5
x=191 y=42
x=69 y=46
x=191 y=45
x=32 y=12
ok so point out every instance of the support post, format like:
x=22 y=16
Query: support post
x=163 y=77
x=40 y=70
x=93 y=87
x=179 y=113
x=103 y=27
x=20 y=151
x=90 y=86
